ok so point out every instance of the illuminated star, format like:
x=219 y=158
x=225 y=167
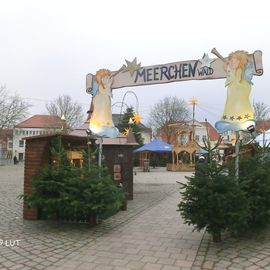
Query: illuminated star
x=126 y=131
x=136 y=118
x=193 y=101
x=206 y=61
x=131 y=67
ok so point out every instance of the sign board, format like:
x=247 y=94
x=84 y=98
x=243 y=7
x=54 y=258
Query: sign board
x=203 y=69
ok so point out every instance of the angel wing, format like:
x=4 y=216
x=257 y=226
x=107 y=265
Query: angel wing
x=248 y=74
x=94 y=89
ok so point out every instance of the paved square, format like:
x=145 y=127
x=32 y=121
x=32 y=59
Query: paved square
x=149 y=235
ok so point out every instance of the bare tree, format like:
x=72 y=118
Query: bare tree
x=261 y=110
x=13 y=109
x=168 y=111
x=64 y=106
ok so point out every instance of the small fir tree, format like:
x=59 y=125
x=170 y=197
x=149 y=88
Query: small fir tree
x=124 y=124
x=210 y=199
x=61 y=191
x=254 y=178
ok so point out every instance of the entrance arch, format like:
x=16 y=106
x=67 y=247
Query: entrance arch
x=133 y=74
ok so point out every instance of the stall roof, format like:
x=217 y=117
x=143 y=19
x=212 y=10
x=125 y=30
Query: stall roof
x=155 y=146
x=119 y=140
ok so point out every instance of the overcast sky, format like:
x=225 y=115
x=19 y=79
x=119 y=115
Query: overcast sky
x=48 y=47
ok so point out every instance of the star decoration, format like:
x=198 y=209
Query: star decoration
x=131 y=67
x=206 y=61
x=239 y=117
x=136 y=118
x=224 y=117
x=232 y=118
x=193 y=101
x=126 y=131
x=247 y=116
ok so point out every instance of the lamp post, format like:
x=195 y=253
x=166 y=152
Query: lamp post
x=193 y=102
x=88 y=132
x=100 y=142
x=237 y=148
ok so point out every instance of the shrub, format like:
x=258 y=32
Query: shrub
x=210 y=200
x=254 y=179
x=60 y=191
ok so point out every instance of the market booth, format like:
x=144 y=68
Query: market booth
x=117 y=156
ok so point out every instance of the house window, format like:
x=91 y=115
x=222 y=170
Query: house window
x=20 y=156
x=17 y=132
x=21 y=143
x=10 y=145
x=23 y=132
x=30 y=132
x=197 y=138
x=183 y=139
x=34 y=133
x=26 y=132
x=204 y=137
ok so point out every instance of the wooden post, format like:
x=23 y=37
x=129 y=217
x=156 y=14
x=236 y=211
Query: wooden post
x=237 y=148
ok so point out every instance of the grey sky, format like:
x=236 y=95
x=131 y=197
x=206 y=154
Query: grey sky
x=48 y=47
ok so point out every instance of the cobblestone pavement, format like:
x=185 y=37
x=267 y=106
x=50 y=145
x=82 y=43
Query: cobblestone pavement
x=46 y=245
x=149 y=235
x=250 y=252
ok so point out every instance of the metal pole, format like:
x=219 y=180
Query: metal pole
x=100 y=141
x=88 y=148
x=193 y=119
x=237 y=147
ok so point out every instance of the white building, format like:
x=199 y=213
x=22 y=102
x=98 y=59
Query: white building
x=182 y=132
x=34 y=126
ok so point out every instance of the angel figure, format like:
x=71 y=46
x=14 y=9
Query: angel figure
x=238 y=113
x=101 y=122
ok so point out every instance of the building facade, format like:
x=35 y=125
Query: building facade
x=182 y=132
x=187 y=138
x=34 y=126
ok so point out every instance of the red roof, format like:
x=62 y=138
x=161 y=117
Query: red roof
x=119 y=140
x=213 y=134
x=41 y=121
x=262 y=125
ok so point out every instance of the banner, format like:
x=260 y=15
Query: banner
x=133 y=74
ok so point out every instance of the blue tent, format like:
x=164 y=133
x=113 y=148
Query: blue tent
x=155 y=146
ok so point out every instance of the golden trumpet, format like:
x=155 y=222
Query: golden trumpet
x=215 y=52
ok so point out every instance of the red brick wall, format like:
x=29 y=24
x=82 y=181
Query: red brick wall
x=36 y=155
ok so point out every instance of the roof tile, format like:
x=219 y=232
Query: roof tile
x=41 y=121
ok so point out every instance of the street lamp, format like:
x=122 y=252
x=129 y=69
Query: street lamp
x=88 y=132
